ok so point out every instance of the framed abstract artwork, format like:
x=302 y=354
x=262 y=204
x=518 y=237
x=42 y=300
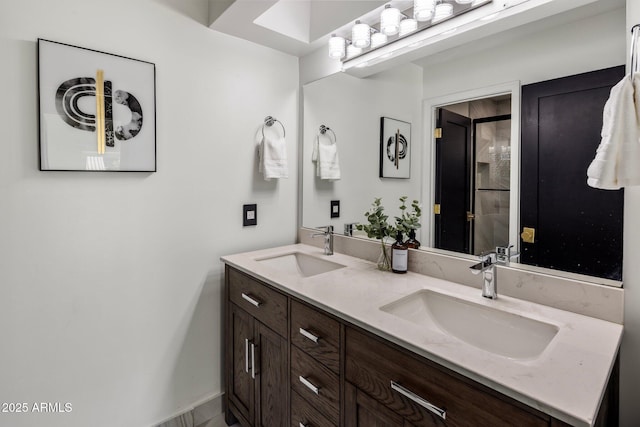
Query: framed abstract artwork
x=395 y=148
x=97 y=110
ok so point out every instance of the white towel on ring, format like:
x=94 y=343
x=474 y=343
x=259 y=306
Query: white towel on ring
x=325 y=154
x=272 y=155
x=617 y=160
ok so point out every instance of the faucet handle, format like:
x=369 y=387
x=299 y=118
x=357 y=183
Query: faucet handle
x=504 y=254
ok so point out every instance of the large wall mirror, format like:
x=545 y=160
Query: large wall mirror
x=482 y=82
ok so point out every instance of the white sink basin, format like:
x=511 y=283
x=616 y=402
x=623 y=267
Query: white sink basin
x=490 y=329
x=300 y=264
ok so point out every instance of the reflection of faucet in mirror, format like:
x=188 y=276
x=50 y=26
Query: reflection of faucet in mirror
x=349 y=227
x=327 y=233
x=487 y=266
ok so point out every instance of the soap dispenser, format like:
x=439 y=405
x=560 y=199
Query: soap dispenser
x=399 y=255
x=411 y=242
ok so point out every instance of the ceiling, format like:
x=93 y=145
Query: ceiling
x=296 y=27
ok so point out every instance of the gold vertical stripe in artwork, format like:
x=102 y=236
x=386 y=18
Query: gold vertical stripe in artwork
x=397 y=161
x=100 y=120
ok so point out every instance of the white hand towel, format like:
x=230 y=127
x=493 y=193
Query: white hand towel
x=272 y=156
x=617 y=160
x=325 y=154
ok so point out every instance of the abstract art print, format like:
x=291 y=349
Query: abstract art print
x=395 y=146
x=97 y=110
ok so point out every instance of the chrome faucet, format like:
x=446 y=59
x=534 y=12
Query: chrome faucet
x=487 y=266
x=328 y=238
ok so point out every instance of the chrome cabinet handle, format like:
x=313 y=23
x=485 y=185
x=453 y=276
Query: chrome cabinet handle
x=253 y=361
x=246 y=355
x=308 y=384
x=309 y=335
x=419 y=400
x=251 y=300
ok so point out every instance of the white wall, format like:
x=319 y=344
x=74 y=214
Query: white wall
x=630 y=352
x=110 y=284
x=352 y=107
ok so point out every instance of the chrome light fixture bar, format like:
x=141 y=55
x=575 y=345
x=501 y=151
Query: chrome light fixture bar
x=395 y=25
x=410 y=37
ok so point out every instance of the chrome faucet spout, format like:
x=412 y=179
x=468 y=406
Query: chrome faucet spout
x=487 y=266
x=327 y=233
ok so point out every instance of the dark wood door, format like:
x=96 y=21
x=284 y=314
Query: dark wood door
x=577 y=228
x=241 y=383
x=454 y=158
x=272 y=405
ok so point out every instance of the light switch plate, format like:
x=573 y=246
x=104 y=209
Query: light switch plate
x=249 y=215
x=335 y=209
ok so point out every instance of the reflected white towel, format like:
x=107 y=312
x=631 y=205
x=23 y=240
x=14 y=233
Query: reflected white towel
x=617 y=160
x=272 y=156
x=325 y=154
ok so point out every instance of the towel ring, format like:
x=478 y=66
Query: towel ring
x=324 y=129
x=634 y=50
x=269 y=121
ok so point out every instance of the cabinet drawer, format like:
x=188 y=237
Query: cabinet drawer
x=305 y=415
x=265 y=304
x=372 y=366
x=316 y=383
x=317 y=334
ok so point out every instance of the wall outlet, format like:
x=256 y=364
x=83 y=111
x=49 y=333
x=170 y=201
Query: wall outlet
x=249 y=215
x=335 y=209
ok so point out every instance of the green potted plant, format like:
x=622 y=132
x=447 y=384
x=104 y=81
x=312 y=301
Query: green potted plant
x=378 y=228
x=409 y=221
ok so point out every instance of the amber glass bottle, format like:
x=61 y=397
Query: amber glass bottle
x=399 y=255
x=411 y=242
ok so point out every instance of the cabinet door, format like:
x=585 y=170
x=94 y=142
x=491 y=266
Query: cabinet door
x=271 y=378
x=363 y=411
x=241 y=383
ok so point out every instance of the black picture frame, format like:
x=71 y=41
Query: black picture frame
x=395 y=148
x=97 y=110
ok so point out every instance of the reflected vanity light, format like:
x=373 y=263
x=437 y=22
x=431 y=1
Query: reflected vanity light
x=378 y=39
x=423 y=9
x=361 y=35
x=407 y=26
x=336 y=47
x=390 y=20
x=442 y=11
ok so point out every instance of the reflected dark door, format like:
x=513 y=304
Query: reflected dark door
x=577 y=228
x=453 y=183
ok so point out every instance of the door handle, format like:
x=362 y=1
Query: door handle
x=253 y=361
x=528 y=235
x=246 y=355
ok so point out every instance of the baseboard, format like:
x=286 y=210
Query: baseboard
x=206 y=413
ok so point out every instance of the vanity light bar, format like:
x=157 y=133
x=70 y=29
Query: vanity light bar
x=434 y=33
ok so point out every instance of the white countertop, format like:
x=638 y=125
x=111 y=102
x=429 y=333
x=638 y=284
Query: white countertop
x=566 y=381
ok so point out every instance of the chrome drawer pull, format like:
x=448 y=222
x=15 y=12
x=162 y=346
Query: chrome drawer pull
x=246 y=355
x=253 y=361
x=419 y=400
x=309 y=385
x=251 y=300
x=309 y=335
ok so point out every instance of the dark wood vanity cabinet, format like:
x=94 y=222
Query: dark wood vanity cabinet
x=291 y=364
x=256 y=356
